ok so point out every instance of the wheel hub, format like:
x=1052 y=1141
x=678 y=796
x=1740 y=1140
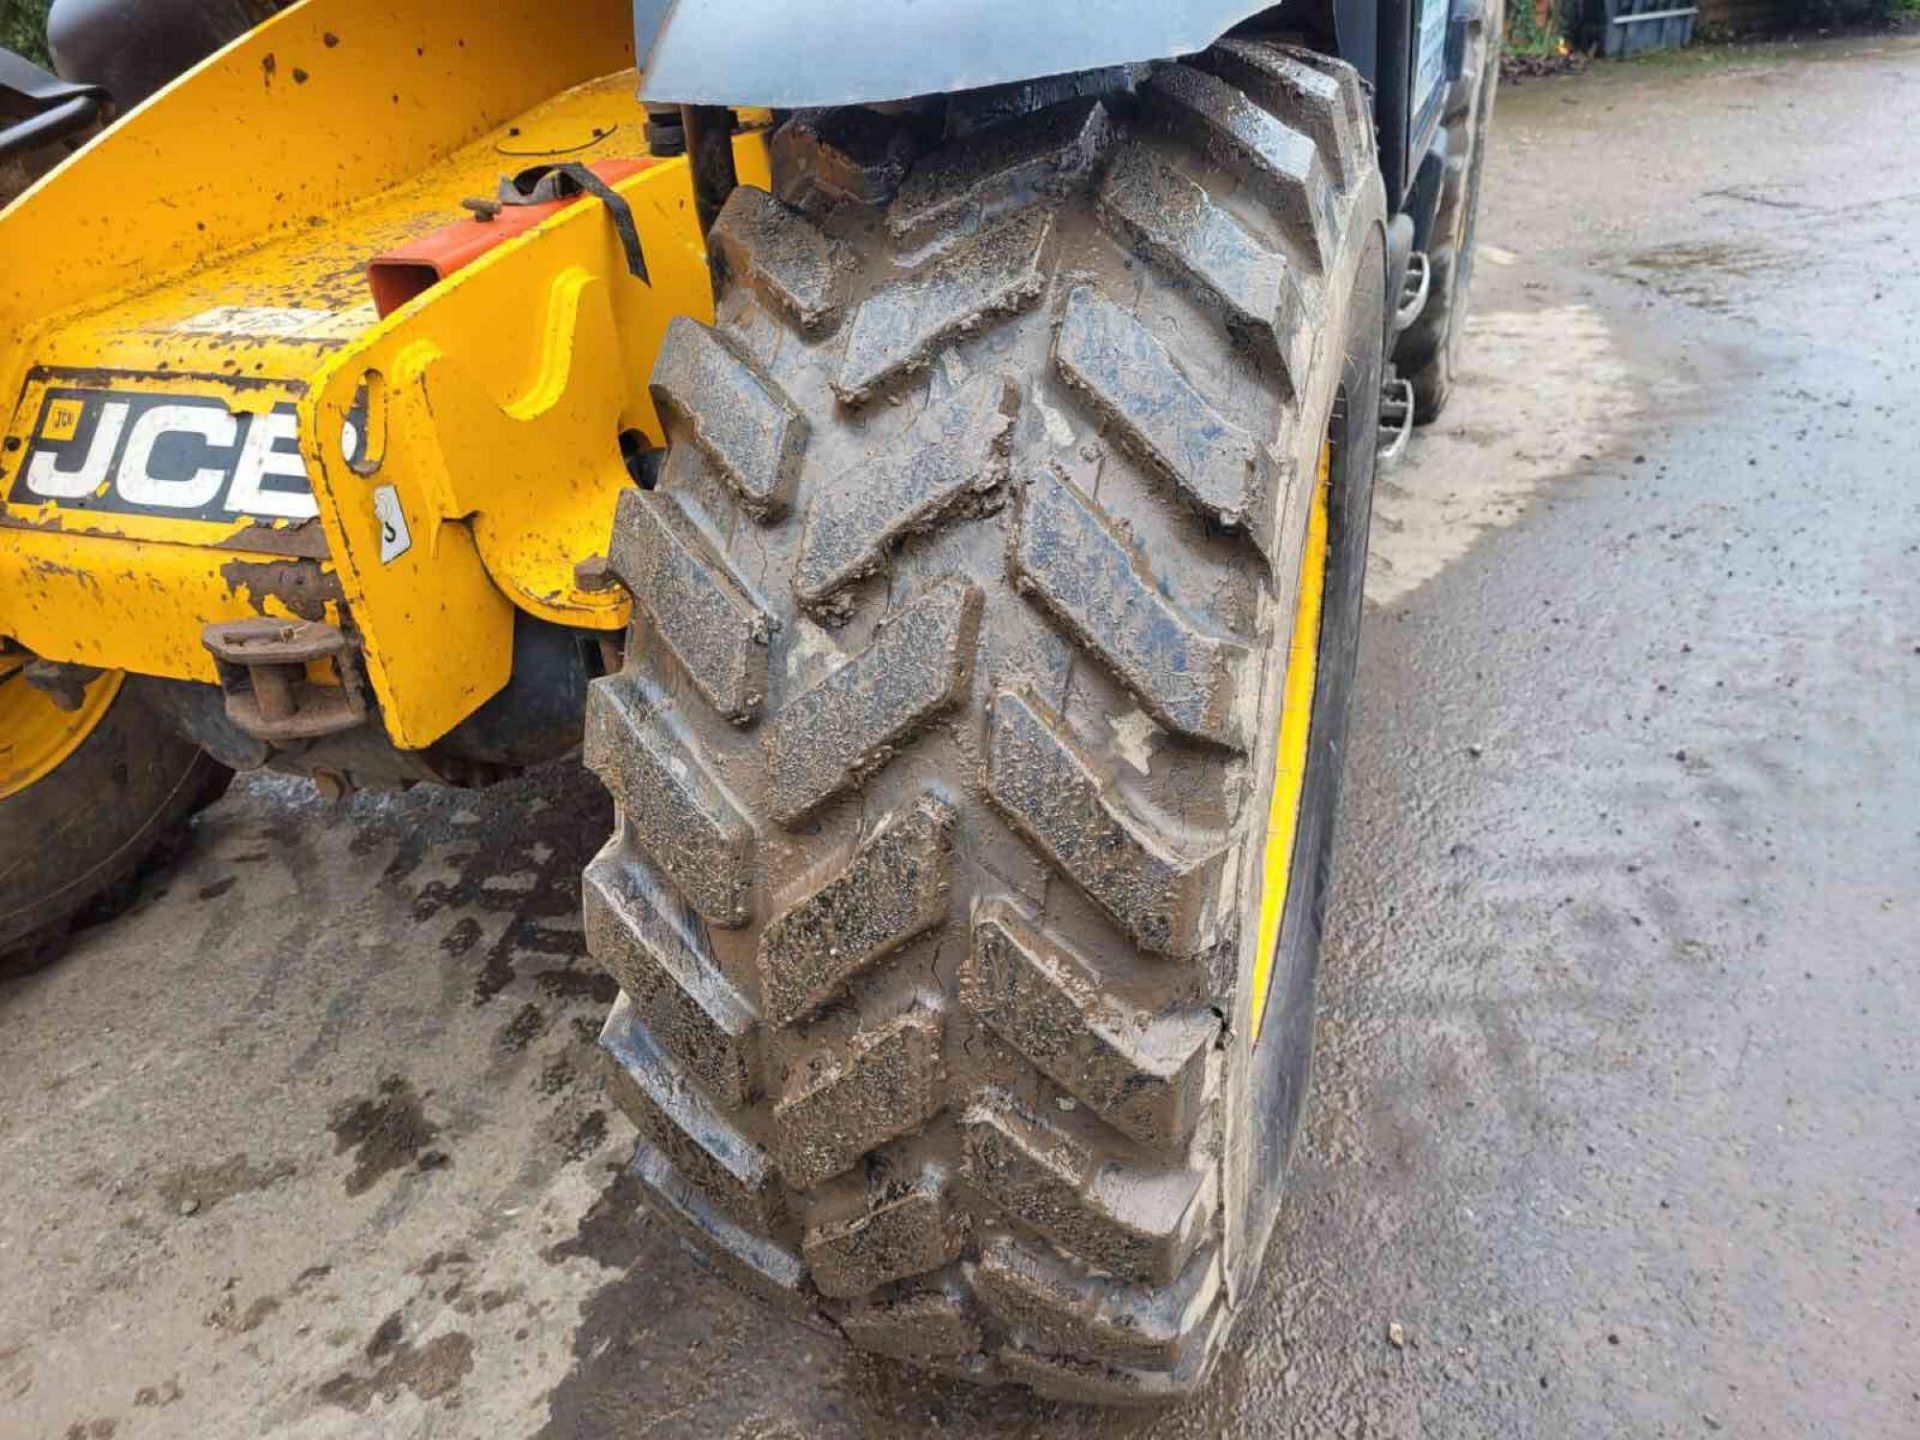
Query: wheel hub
x=36 y=735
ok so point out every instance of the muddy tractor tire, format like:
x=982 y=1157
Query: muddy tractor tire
x=86 y=796
x=1013 y=518
x=1428 y=352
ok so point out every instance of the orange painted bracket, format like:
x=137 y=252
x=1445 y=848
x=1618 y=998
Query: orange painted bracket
x=399 y=274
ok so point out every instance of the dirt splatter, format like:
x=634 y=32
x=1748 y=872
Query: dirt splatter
x=196 y=1189
x=386 y=1337
x=631 y=1361
x=101 y=1429
x=516 y=851
x=462 y=937
x=485 y=1303
x=307 y=1277
x=429 y=1371
x=156 y=1397
x=229 y=1318
x=587 y=1136
x=440 y=1259
x=389 y=1131
x=528 y=1024
x=557 y=1075
x=613 y=1229
x=594 y=985
x=218 y=888
x=16 y=1372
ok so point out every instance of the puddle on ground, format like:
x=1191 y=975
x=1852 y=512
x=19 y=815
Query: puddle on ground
x=1696 y=272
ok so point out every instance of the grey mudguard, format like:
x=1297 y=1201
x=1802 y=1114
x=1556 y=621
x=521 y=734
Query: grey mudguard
x=796 y=53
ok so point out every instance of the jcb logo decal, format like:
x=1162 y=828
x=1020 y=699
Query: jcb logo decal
x=178 y=455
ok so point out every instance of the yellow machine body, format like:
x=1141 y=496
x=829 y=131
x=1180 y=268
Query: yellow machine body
x=192 y=287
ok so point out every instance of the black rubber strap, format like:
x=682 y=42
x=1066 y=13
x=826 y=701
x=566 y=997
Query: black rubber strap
x=543 y=184
x=21 y=78
x=54 y=108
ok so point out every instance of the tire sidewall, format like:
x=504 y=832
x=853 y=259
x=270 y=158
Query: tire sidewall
x=1265 y=1079
x=80 y=830
x=1433 y=376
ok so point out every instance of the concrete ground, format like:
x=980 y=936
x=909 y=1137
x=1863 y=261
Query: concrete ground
x=1614 y=1113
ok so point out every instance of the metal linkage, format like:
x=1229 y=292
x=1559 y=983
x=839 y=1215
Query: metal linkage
x=1414 y=291
x=1396 y=418
x=269 y=670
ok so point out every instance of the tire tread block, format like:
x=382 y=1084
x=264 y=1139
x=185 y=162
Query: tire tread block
x=897 y=1231
x=699 y=608
x=642 y=935
x=927 y=1325
x=823 y=158
x=1353 y=91
x=1317 y=99
x=1047 y=152
x=883 y=1083
x=1061 y=1306
x=756 y=1261
x=1132 y=1220
x=892 y=889
x=900 y=328
x=669 y=801
x=667 y=1105
x=1068 y=554
x=954 y=454
x=1282 y=163
x=783 y=257
x=831 y=736
x=1132 y=379
x=741 y=420
x=1144 y=1074
x=1168 y=215
x=1049 y=790
x=1094 y=1382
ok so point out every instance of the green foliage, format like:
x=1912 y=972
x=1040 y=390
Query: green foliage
x=1847 y=14
x=1834 y=14
x=1528 y=35
x=23 y=28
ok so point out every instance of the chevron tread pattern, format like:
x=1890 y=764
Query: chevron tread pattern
x=953 y=603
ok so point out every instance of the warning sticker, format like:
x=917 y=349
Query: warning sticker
x=395 y=539
x=280 y=322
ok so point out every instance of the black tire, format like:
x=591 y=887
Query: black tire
x=942 y=745
x=74 y=839
x=1428 y=352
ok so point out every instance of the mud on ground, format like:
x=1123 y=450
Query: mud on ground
x=1611 y=1130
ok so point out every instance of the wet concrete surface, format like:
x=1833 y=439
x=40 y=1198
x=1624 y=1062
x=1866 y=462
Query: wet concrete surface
x=1613 y=1114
